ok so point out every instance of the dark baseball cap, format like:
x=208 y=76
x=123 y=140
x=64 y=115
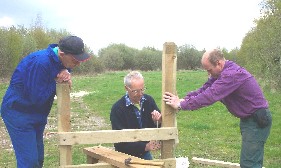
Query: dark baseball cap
x=74 y=45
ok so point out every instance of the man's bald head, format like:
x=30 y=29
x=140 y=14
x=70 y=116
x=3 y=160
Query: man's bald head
x=213 y=56
x=213 y=62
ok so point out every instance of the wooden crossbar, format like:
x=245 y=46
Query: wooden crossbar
x=114 y=136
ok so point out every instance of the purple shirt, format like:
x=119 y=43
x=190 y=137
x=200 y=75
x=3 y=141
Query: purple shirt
x=236 y=88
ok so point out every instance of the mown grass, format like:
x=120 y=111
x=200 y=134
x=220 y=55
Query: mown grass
x=211 y=132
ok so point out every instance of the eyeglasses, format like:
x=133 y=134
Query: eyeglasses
x=137 y=91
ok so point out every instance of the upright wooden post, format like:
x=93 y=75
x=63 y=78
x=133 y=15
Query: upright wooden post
x=64 y=125
x=169 y=67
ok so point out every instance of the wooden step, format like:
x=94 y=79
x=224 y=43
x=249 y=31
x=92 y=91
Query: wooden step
x=118 y=159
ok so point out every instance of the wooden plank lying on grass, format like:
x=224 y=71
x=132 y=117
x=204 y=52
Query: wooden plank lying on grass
x=114 y=136
x=216 y=162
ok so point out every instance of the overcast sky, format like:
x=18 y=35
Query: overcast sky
x=140 y=23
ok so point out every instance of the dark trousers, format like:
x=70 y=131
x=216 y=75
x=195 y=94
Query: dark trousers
x=253 y=140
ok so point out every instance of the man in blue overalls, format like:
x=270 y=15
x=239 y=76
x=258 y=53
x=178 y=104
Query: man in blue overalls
x=30 y=95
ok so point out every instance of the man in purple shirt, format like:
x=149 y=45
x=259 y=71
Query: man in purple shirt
x=238 y=90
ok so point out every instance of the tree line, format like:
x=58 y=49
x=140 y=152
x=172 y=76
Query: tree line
x=17 y=42
x=261 y=47
x=259 y=52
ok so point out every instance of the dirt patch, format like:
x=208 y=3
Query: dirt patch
x=5 y=142
x=87 y=121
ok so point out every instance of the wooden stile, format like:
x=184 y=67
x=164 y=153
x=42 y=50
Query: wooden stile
x=63 y=98
x=169 y=62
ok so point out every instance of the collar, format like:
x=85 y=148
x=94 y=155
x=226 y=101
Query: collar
x=56 y=50
x=128 y=101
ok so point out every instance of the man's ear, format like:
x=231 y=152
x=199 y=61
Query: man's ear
x=221 y=63
x=60 y=52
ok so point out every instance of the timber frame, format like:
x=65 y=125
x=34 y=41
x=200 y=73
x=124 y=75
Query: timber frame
x=168 y=133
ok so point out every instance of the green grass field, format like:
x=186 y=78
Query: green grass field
x=211 y=132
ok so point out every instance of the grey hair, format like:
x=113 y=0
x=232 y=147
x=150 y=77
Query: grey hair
x=132 y=75
x=215 y=56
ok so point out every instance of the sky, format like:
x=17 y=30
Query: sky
x=204 y=24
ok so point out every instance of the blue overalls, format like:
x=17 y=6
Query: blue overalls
x=27 y=103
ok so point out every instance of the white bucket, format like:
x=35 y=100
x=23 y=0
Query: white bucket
x=182 y=162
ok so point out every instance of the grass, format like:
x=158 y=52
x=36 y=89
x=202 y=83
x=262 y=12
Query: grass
x=211 y=132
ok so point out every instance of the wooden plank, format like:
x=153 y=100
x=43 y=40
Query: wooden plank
x=96 y=165
x=169 y=62
x=117 y=158
x=63 y=99
x=169 y=163
x=215 y=162
x=114 y=136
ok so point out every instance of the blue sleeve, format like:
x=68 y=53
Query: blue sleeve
x=39 y=83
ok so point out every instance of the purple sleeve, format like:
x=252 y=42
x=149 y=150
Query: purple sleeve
x=211 y=92
x=200 y=90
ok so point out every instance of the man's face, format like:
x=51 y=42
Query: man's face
x=136 y=90
x=213 y=70
x=68 y=60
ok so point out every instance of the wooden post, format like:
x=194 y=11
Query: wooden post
x=64 y=125
x=169 y=62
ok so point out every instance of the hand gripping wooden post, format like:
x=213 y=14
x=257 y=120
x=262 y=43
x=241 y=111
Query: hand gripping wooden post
x=169 y=67
x=63 y=100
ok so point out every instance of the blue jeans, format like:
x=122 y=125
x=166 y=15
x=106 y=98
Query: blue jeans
x=147 y=156
x=253 y=140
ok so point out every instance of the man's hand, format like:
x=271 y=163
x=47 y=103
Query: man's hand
x=171 y=99
x=64 y=76
x=153 y=145
x=156 y=116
